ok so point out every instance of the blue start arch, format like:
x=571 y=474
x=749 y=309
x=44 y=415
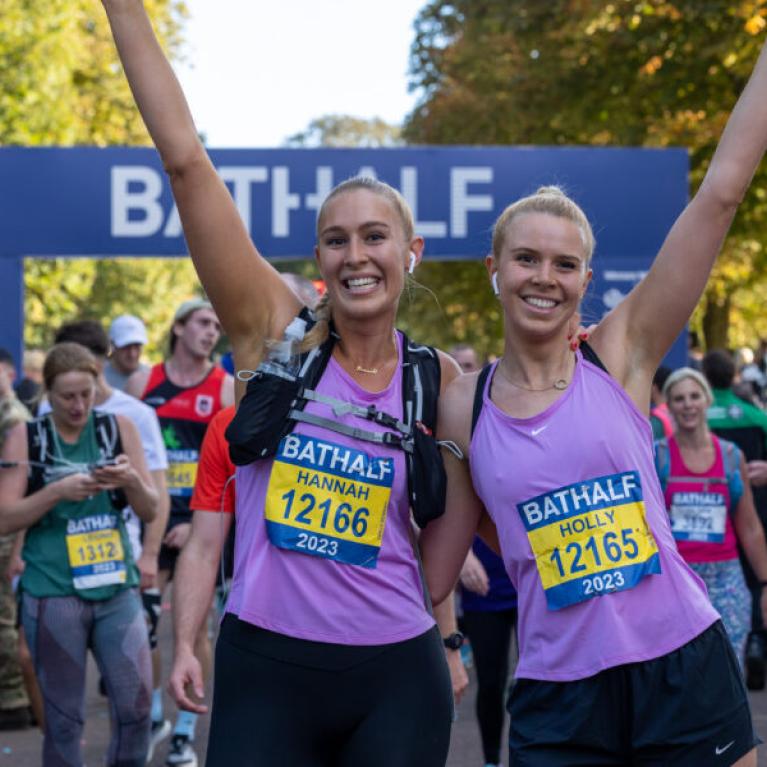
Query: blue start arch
x=87 y=201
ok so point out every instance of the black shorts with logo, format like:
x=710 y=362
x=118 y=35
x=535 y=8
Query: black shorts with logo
x=685 y=709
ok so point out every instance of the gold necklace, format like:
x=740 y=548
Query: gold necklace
x=374 y=371
x=560 y=384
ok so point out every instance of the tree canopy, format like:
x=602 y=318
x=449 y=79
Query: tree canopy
x=347 y=131
x=596 y=72
x=61 y=84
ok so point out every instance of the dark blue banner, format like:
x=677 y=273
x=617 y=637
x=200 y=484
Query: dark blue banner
x=87 y=201
x=117 y=201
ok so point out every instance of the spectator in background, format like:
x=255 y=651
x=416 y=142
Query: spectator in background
x=79 y=579
x=660 y=417
x=466 y=357
x=733 y=419
x=694 y=353
x=710 y=504
x=28 y=389
x=186 y=391
x=127 y=334
x=14 y=703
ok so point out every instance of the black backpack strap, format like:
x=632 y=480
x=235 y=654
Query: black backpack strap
x=479 y=394
x=39 y=439
x=107 y=434
x=110 y=445
x=421 y=381
x=591 y=356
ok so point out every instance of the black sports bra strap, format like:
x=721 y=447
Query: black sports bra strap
x=591 y=356
x=479 y=393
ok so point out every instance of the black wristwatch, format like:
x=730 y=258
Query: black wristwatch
x=454 y=641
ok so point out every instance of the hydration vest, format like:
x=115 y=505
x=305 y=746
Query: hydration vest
x=42 y=468
x=273 y=404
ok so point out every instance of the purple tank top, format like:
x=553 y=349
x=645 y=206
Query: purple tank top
x=323 y=542
x=584 y=532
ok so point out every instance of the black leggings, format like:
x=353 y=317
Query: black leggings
x=284 y=701
x=490 y=636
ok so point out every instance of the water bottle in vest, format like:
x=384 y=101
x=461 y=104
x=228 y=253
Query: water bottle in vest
x=282 y=357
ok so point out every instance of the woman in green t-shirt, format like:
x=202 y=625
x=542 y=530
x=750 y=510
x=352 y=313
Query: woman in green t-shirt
x=65 y=480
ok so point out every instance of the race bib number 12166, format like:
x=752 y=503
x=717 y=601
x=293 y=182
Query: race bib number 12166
x=328 y=500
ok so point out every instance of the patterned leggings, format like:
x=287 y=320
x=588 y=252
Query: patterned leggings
x=60 y=630
x=731 y=598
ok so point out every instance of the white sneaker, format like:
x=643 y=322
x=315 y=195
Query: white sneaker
x=160 y=731
x=181 y=752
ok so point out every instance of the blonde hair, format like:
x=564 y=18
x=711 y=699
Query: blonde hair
x=547 y=199
x=324 y=309
x=68 y=357
x=682 y=374
x=381 y=188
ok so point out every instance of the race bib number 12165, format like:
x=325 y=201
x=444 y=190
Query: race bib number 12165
x=590 y=538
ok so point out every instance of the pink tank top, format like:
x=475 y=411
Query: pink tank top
x=698 y=504
x=584 y=532
x=323 y=545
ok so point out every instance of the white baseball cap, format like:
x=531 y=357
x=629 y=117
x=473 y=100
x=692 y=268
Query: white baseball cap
x=127 y=329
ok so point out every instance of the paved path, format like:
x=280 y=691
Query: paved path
x=22 y=748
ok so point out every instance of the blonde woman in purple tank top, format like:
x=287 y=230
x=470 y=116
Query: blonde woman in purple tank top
x=622 y=658
x=327 y=654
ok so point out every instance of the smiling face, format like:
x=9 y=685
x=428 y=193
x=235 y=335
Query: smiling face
x=198 y=334
x=688 y=404
x=363 y=253
x=542 y=272
x=71 y=397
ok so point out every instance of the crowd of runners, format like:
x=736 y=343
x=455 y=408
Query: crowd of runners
x=362 y=475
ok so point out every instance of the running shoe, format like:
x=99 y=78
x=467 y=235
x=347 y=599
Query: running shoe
x=181 y=752
x=160 y=731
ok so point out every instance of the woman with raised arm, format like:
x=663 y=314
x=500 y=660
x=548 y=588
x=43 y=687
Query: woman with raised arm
x=327 y=654
x=622 y=658
x=67 y=477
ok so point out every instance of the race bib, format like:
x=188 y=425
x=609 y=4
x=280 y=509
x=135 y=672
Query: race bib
x=698 y=517
x=95 y=550
x=182 y=472
x=590 y=538
x=328 y=500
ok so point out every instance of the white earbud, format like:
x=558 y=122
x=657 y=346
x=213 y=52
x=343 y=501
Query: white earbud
x=494 y=283
x=411 y=265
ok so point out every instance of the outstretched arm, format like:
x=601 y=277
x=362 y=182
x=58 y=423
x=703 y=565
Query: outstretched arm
x=249 y=297
x=633 y=339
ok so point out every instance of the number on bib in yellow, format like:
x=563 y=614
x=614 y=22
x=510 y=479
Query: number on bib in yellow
x=328 y=500
x=96 y=557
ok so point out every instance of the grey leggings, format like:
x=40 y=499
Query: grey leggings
x=60 y=631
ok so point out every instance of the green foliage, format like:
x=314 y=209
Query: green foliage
x=347 y=131
x=61 y=290
x=452 y=302
x=617 y=72
x=61 y=84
